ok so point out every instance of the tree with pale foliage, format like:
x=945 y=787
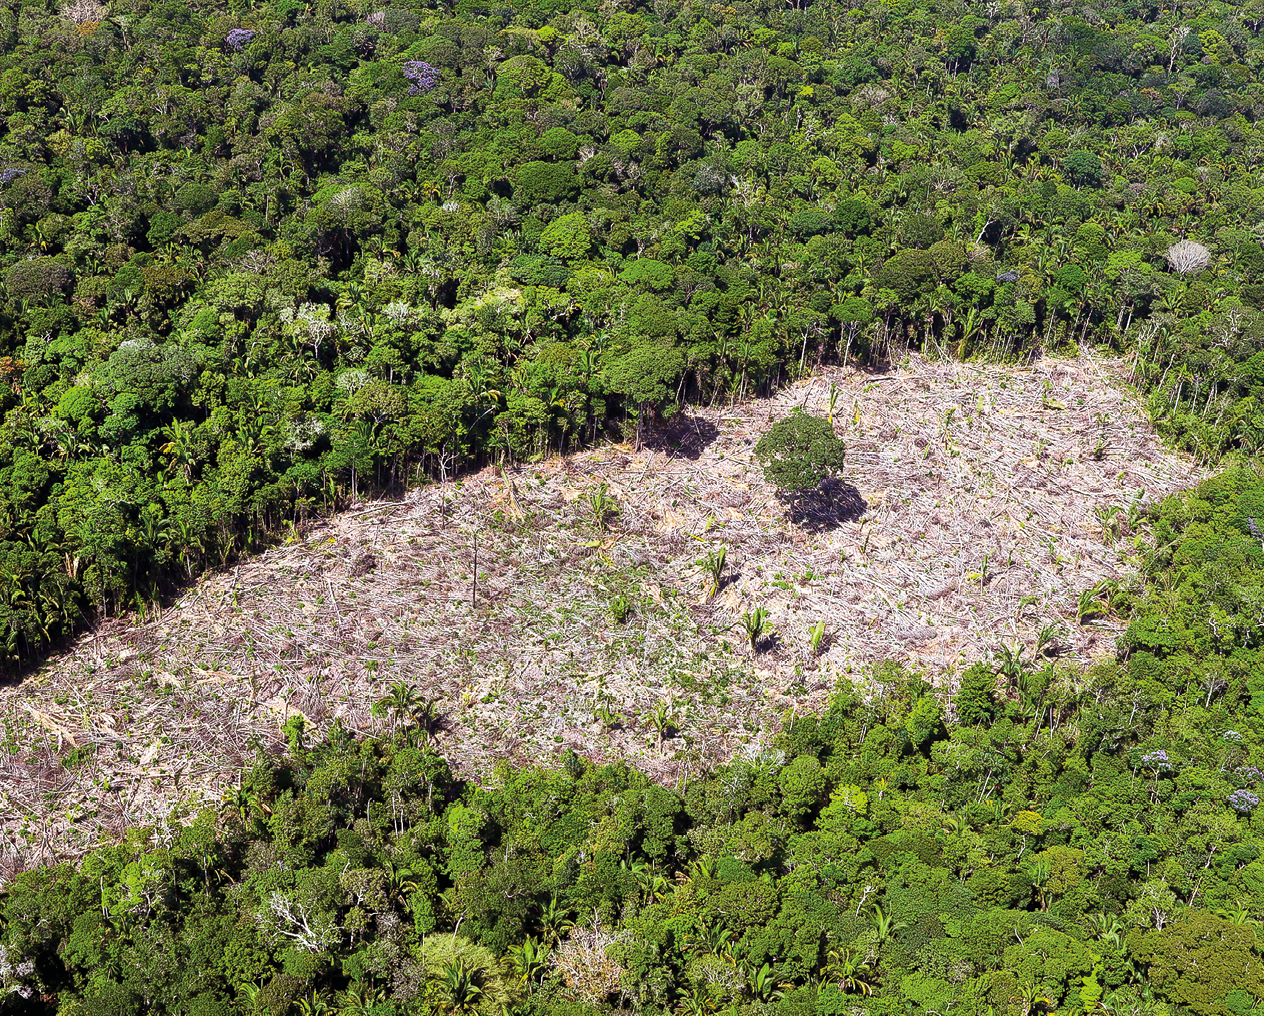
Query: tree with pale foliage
x=1188 y=257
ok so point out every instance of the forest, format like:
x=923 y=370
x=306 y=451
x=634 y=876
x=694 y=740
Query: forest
x=261 y=259
x=1025 y=837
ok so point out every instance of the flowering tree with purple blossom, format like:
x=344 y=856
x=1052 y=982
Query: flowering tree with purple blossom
x=239 y=38
x=421 y=76
x=1243 y=801
x=10 y=173
x=1159 y=764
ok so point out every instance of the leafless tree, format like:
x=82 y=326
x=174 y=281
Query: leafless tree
x=1188 y=257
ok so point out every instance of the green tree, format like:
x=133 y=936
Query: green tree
x=976 y=695
x=799 y=452
x=646 y=376
x=1199 y=959
x=567 y=237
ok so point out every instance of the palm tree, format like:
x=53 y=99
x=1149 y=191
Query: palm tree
x=399 y=882
x=884 y=924
x=697 y=1003
x=650 y=882
x=1039 y=872
x=179 y=448
x=530 y=960
x=1033 y=1001
x=555 y=919
x=711 y=940
x=762 y=984
x=459 y=986
x=361 y=1001
x=401 y=703
x=849 y=971
x=714 y=565
x=662 y=720
x=246 y=804
x=316 y=1004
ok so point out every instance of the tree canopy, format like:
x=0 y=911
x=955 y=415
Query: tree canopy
x=799 y=452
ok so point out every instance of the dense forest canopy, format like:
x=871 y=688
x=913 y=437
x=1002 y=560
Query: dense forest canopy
x=257 y=258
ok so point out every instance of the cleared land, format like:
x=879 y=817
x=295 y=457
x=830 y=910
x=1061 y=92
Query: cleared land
x=971 y=518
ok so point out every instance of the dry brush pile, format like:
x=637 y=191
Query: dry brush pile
x=979 y=503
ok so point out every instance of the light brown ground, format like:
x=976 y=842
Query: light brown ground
x=980 y=487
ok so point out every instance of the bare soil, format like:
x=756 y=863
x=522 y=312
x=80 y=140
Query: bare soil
x=969 y=518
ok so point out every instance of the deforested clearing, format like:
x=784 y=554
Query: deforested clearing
x=979 y=503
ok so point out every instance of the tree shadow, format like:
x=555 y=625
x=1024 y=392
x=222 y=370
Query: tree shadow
x=769 y=643
x=829 y=506
x=684 y=436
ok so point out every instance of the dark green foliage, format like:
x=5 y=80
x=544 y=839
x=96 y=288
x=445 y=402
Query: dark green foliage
x=950 y=259
x=909 y=274
x=853 y=217
x=648 y=273
x=809 y=222
x=1200 y=959
x=543 y=182
x=1084 y=169
x=976 y=696
x=921 y=231
x=800 y=452
x=646 y=376
x=37 y=279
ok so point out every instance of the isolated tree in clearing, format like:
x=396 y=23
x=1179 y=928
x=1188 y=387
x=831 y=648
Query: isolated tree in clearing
x=800 y=452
